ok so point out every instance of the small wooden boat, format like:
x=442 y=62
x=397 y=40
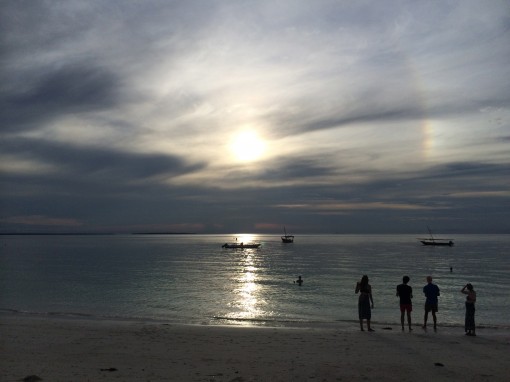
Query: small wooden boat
x=287 y=238
x=434 y=241
x=241 y=245
x=443 y=242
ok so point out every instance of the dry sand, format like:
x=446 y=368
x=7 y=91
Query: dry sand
x=57 y=349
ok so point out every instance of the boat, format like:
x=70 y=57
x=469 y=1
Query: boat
x=240 y=245
x=434 y=241
x=287 y=238
x=443 y=242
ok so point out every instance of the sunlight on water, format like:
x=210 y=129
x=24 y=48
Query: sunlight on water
x=247 y=293
x=191 y=278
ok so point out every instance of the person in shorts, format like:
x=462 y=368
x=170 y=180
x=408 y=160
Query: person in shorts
x=405 y=292
x=431 y=292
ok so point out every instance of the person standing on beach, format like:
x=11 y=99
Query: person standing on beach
x=405 y=292
x=431 y=292
x=365 y=302
x=469 y=323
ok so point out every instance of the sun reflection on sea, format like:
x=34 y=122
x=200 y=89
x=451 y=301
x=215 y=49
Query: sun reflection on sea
x=248 y=302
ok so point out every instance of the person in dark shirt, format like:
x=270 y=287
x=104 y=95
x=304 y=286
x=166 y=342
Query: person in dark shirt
x=431 y=292
x=299 y=281
x=405 y=292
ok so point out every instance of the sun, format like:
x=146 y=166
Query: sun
x=247 y=146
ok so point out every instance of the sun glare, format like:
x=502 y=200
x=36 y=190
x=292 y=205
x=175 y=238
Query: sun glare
x=247 y=146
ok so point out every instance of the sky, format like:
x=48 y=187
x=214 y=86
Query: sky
x=240 y=116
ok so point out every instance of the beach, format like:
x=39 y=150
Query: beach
x=75 y=349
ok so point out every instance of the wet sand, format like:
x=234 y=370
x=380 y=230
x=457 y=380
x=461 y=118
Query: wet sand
x=62 y=349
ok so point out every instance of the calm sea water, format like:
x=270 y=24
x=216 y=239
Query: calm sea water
x=190 y=278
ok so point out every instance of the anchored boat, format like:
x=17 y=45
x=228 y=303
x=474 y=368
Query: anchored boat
x=434 y=241
x=287 y=238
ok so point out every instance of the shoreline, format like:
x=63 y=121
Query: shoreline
x=344 y=324
x=83 y=349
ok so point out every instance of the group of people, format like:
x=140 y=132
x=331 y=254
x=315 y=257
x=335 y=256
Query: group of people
x=405 y=293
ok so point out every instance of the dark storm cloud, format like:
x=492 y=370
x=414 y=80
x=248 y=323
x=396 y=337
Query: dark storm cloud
x=444 y=181
x=299 y=168
x=285 y=170
x=89 y=164
x=70 y=89
x=363 y=116
x=453 y=198
x=374 y=107
x=436 y=185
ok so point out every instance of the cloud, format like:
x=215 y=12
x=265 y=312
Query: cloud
x=374 y=115
x=94 y=170
x=44 y=221
x=481 y=194
x=68 y=90
x=332 y=207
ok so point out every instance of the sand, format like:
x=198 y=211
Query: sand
x=62 y=349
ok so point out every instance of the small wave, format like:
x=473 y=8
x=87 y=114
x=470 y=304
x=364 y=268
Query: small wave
x=273 y=322
x=331 y=324
x=233 y=321
x=38 y=313
x=66 y=315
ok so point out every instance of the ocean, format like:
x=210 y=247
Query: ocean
x=192 y=279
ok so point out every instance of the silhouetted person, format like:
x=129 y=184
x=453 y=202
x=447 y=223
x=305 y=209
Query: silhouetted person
x=405 y=292
x=365 y=302
x=469 y=323
x=299 y=281
x=431 y=292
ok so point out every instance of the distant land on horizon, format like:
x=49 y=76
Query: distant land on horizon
x=421 y=234
x=92 y=233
